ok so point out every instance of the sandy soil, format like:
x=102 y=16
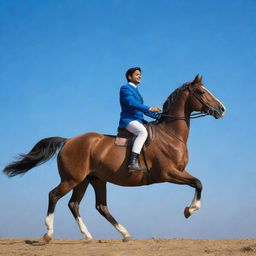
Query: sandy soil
x=148 y=247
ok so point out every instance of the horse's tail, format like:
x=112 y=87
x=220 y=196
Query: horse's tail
x=44 y=150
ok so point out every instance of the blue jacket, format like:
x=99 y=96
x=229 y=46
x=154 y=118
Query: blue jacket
x=132 y=106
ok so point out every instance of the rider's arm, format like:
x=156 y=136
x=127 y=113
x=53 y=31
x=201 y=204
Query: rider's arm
x=127 y=97
x=151 y=114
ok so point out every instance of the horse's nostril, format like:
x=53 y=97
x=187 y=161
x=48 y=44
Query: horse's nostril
x=222 y=109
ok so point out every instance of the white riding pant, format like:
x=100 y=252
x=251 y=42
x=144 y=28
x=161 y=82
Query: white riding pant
x=140 y=131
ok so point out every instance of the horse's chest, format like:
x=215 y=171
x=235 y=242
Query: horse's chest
x=178 y=157
x=182 y=160
x=182 y=165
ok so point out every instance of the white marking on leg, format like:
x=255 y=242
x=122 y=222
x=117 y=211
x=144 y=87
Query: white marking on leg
x=195 y=205
x=49 y=224
x=83 y=228
x=122 y=230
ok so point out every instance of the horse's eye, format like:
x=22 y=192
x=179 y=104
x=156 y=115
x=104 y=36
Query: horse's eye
x=200 y=92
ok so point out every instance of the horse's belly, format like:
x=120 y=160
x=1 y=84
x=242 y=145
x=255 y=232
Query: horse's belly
x=123 y=178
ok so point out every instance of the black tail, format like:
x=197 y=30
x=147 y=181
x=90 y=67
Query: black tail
x=40 y=153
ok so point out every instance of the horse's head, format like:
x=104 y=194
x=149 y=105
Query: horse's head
x=202 y=100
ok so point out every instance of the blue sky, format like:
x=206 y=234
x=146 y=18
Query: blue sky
x=62 y=64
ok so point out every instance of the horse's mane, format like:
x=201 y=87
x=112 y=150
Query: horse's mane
x=173 y=97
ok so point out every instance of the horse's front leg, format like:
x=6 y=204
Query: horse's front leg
x=196 y=202
x=183 y=177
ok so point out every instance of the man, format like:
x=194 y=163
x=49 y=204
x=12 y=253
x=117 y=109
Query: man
x=131 y=117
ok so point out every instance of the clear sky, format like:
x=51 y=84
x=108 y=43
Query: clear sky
x=62 y=64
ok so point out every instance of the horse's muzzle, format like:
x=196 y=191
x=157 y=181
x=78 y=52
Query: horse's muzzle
x=219 y=112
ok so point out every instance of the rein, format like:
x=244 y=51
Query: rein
x=192 y=116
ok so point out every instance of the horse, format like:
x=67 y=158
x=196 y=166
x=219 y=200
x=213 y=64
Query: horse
x=93 y=158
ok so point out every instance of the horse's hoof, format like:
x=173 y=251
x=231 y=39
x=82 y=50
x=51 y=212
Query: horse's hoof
x=127 y=239
x=187 y=214
x=47 y=238
x=89 y=241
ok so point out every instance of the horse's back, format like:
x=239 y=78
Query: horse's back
x=89 y=150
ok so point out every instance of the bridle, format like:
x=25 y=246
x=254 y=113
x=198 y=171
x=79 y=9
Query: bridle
x=210 y=110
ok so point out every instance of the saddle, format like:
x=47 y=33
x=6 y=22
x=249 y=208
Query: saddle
x=125 y=138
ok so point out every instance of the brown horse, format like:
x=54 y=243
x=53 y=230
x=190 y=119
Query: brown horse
x=93 y=158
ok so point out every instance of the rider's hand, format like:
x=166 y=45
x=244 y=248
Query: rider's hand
x=155 y=109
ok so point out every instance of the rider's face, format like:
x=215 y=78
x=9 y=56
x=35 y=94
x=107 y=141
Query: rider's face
x=135 y=77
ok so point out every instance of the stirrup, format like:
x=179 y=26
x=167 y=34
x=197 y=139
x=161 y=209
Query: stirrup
x=136 y=168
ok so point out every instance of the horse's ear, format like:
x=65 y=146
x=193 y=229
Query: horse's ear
x=197 y=79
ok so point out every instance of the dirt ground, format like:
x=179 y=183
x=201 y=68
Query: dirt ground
x=148 y=247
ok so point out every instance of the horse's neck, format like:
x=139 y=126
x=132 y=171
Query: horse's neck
x=178 y=128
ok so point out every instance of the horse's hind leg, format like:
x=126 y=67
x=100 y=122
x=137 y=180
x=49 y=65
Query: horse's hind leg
x=62 y=189
x=101 y=205
x=74 y=202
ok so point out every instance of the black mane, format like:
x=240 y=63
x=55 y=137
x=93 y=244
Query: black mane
x=172 y=97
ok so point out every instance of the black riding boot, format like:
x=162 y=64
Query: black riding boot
x=134 y=163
